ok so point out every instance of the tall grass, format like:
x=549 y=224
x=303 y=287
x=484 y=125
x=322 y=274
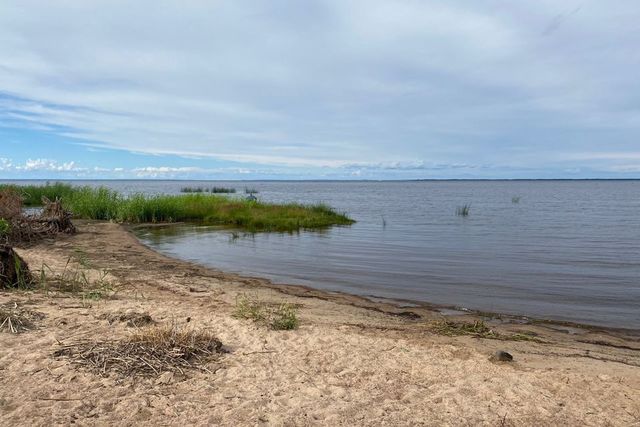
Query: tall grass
x=32 y=194
x=223 y=190
x=463 y=210
x=105 y=204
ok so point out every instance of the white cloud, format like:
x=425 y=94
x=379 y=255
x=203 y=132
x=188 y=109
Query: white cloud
x=48 y=165
x=326 y=83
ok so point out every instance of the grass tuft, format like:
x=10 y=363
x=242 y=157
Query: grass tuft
x=282 y=317
x=515 y=199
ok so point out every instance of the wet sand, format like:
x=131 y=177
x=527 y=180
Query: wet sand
x=351 y=362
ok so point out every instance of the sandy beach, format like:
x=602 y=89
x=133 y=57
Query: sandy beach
x=351 y=362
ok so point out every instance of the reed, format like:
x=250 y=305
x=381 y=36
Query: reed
x=105 y=204
x=223 y=190
x=217 y=190
x=193 y=190
x=463 y=210
x=32 y=194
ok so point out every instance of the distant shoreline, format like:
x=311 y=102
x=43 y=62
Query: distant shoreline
x=317 y=180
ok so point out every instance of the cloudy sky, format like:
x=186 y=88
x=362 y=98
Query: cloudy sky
x=336 y=89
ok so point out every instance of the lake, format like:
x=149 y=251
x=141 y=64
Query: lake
x=564 y=250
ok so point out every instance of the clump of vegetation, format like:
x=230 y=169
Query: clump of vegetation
x=451 y=328
x=15 y=320
x=223 y=190
x=193 y=190
x=515 y=199
x=5 y=228
x=282 y=317
x=220 y=190
x=78 y=280
x=32 y=194
x=147 y=352
x=478 y=329
x=249 y=190
x=104 y=204
x=463 y=210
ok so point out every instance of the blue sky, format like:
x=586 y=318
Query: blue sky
x=340 y=89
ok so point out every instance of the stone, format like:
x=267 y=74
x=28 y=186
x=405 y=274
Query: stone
x=501 y=356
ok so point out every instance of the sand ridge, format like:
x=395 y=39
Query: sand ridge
x=351 y=362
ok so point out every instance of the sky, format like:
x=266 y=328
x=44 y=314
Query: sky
x=336 y=89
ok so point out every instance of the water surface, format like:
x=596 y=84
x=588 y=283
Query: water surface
x=569 y=250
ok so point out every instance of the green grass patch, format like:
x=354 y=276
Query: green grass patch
x=105 y=204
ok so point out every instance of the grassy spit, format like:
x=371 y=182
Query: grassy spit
x=105 y=204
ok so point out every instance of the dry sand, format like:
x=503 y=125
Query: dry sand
x=351 y=362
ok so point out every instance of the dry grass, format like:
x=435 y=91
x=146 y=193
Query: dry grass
x=477 y=329
x=147 y=352
x=15 y=320
x=451 y=328
x=10 y=204
x=133 y=319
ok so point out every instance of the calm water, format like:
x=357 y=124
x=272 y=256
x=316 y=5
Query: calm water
x=569 y=250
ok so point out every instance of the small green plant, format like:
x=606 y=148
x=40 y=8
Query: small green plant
x=81 y=257
x=5 y=227
x=23 y=277
x=515 y=199
x=283 y=317
x=249 y=308
x=463 y=210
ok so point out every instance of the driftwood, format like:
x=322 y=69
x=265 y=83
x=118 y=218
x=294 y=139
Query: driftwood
x=14 y=271
x=24 y=229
